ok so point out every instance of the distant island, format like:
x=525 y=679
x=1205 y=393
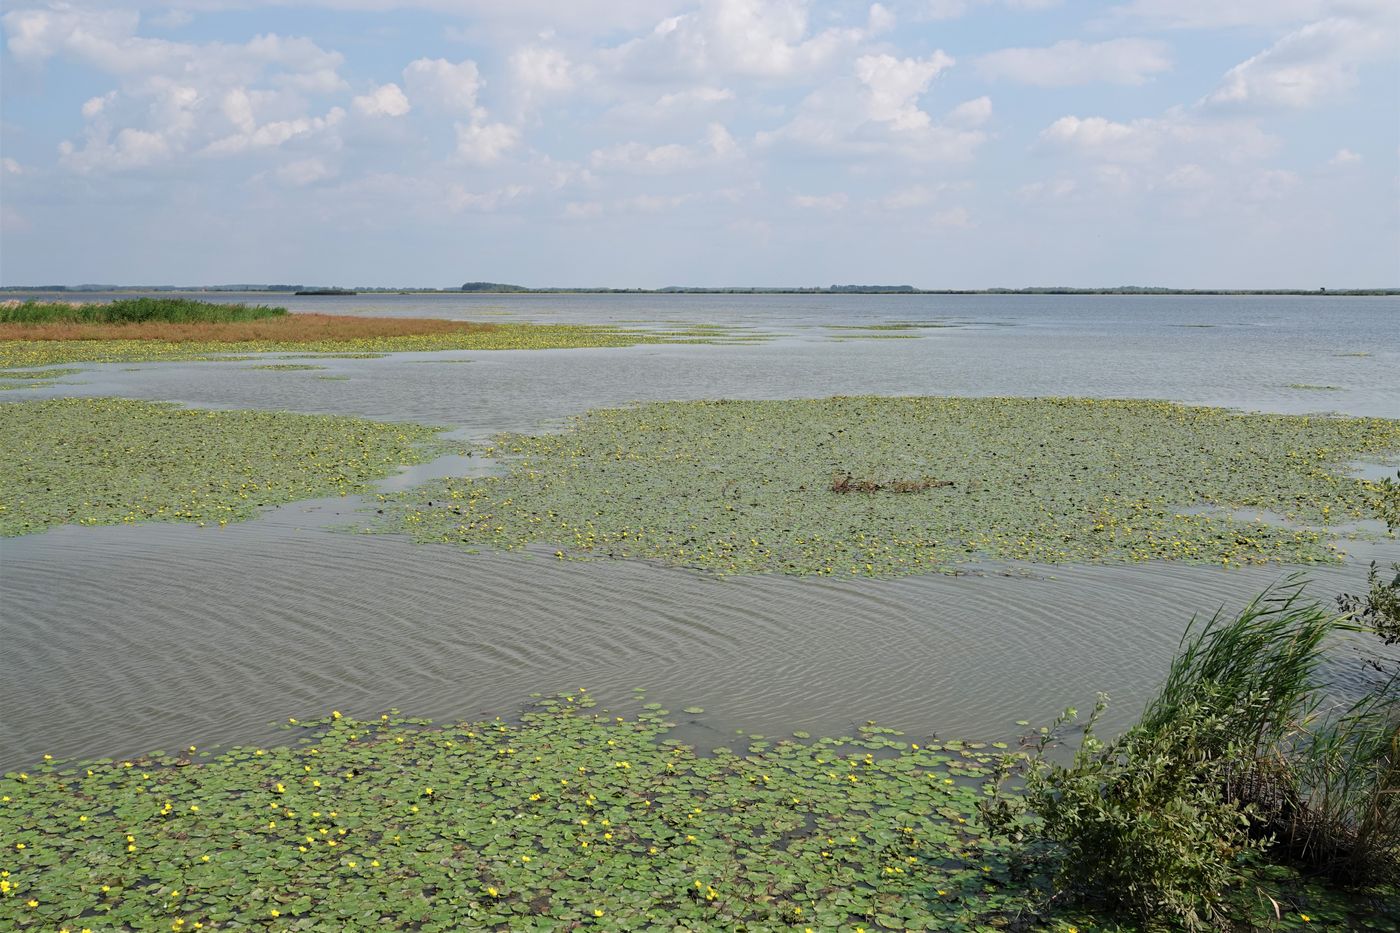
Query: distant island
x=502 y=288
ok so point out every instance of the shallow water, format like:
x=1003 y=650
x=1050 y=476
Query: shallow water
x=118 y=640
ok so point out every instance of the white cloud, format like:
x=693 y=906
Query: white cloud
x=544 y=69
x=820 y=202
x=130 y=149
x=973 y=112
x=1142 y=140
x=747 y=38
x=717 y=146
x=443 y=86
x=1273 y=184
x=1344 y=157
x=95 y=105
x=484 y=143
x=952 y=9
x=274 y=133
x=303 y=172
x=877 y=114
x=896 y=84
x=1188 y=177
x=1214 y=14
x=919 y=195
x=676 y=105
x=1306 y=67
x=1071 y=62
x=953 y=217
x=177 y=98
x=11 y=167
x=387 y=100
x=460 y=199
x=1053 y=190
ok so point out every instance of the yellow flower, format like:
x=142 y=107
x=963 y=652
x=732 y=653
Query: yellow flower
x=598 y=913
x=274 y=912
x=1305 y=918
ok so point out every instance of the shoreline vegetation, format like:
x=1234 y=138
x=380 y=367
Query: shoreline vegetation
x=574 y=818
x=107 y=461
x=153 y=329
x=878 y=486
x=502 y=288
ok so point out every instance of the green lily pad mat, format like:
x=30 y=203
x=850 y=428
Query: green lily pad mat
x=569 y=820
x=889 y=486
x=99 y=461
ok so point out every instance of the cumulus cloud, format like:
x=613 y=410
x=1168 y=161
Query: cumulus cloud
x=387 y=100
x=820 y=202
x=460 y=199
x=1145 y=139
x=894 y=86
x=485 y=143
x=676 y=105
x=973 y=112
x=443 y=86
x=952 y=9
x=877 y=112
x=177 y=98
x=1344 y=157
x=718 y=146
x=921 y=195
x=1212 y=14
x=747 y=38
x=1071 y=62
x=1306 y=67
x=302 y=172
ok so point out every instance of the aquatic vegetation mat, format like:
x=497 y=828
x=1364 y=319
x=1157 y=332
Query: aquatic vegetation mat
x=755 y=486
x=25 y=344
x=100 y=461
x=571 y=819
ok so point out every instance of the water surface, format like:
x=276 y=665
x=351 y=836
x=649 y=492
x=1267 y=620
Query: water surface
x=123 y=639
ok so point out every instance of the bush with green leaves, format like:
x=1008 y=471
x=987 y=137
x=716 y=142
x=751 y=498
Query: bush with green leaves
x=1231 y=757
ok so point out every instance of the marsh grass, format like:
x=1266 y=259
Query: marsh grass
x=133 y=311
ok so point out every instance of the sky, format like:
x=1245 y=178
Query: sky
x=645 y=143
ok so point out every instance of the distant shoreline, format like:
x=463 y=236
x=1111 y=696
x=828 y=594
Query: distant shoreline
x=19 y=291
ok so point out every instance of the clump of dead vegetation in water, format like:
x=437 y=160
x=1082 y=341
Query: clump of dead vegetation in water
x=844 y=483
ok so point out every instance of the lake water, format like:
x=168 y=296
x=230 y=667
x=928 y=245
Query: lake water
x=123 y=639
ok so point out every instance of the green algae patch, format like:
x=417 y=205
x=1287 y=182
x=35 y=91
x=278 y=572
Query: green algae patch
x=288 y=367
x=102 y=461
x=890 y=486
x=503 y=336
x=569 y=819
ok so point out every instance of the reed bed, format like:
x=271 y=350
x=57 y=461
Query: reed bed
x=132 y=311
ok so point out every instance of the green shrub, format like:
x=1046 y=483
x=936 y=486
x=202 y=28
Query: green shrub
x=1161 y=823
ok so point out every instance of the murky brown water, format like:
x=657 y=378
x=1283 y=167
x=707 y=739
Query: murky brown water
x=119 y=640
